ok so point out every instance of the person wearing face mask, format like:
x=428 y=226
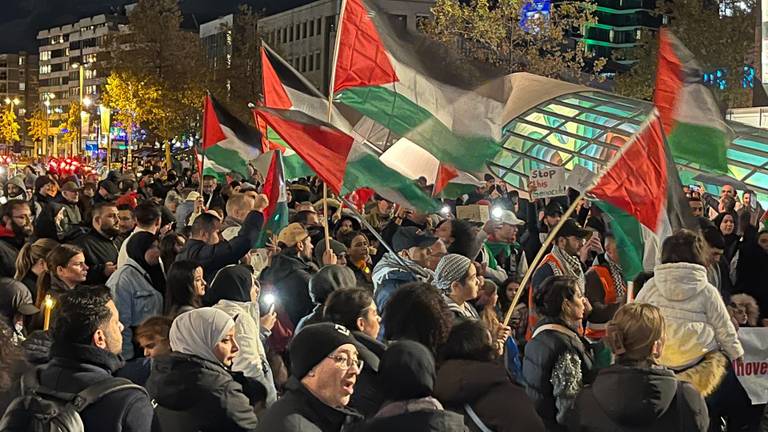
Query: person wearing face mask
x=101 y=244
x=557 y=360
x=233 y=291
x=192 y=386
x=636 y=338
x=15 y=231
x=136 y=285
x=325 y=365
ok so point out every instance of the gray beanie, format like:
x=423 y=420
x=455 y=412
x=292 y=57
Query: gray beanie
x=450 y=269
x=329 y=279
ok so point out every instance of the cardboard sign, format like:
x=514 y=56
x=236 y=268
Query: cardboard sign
x=549 y=182
x=580 y=178
x=753 y=371
x=474 y=212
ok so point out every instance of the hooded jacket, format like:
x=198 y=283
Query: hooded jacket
x=232 y=289
x=196 y=394
x=289 y=274
x=696 y=319
x=10 y=245
x=135 y=298
x=488 y=389
x=640 y=399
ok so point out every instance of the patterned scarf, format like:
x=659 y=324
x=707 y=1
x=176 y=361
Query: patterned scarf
x=616 y=274
x=572 y=267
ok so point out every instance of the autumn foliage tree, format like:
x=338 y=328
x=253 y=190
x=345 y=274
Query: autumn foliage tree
x=9 y=126
x=492 y=32
x=70 y=128
x=37 y=128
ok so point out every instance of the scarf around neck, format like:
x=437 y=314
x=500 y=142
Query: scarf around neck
x=571 y=267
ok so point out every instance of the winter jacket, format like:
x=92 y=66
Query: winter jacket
x=230 y=228
x=752 y=270
x=389 y=275
x=183 y=211
x=642 y=399
x=193 y=394
x=10 y=244
x=98 y=251
x=289 y=274
x=696 y=319
x=557 y=363
x=424 y=414
x=300 y=411
x=136 y=300
x=122 y=254
x=75 y=367
x=252 y=358
x=215 y=257
x=488 y=389
x=215 y=200
x=368 y=397
x=13 y=294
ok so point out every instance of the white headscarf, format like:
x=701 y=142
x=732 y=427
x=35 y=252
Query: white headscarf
x=198 y=331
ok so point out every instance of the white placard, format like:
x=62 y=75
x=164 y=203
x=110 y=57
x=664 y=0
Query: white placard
x=548 y=182
x=580 y=178
x=753 y=371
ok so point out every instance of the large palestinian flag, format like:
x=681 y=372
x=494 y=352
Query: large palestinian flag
x=643 y=197
x=689 y=113
x=228 y=144
x=414 y=88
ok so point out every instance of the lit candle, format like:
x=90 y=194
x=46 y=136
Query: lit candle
x=47 y=307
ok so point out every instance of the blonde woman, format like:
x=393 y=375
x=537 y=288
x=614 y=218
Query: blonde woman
x=636 y=393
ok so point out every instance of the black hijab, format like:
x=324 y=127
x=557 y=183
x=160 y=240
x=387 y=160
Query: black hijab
x=137 y=246
x=233 y=282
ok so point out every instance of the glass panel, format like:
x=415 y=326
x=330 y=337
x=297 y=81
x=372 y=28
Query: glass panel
x=746 y=157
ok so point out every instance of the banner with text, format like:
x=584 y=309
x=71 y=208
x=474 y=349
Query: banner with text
x=753 y=371
x=548 y=182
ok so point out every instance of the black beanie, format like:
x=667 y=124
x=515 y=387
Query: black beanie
x=407 y=371
x=314 y=343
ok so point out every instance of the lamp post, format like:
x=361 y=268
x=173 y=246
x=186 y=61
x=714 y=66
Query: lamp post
x=47 y=103
x=81 y=69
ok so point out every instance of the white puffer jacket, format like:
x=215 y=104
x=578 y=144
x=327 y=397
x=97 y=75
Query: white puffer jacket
x=697 y=321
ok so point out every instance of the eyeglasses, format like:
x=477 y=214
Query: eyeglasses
x=345 y=362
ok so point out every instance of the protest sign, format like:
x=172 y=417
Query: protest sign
x=474 y=212
x=548 y=182
x=753 y=371
x=580 y=178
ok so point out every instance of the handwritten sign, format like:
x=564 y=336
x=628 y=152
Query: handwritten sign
x=548 y=182
x=580 y=178
x=753 y=371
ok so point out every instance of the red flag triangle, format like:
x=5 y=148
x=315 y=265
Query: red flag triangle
x=212 y=133
x=445 y=173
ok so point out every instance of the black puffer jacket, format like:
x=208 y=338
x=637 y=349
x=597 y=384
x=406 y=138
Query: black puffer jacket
x=98 y=250
x=542 y=354
x=10 y=244
x=368 y=397
x=289 y=276
x=422 y=421
x=300 y=411
x=194 y=394
x=75 y=367
x=638 y=399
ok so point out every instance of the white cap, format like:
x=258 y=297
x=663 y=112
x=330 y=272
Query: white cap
x=508 y=217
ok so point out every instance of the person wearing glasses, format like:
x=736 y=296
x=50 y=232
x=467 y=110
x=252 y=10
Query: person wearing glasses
x=324 y=370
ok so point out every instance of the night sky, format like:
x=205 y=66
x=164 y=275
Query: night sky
x=20 y=20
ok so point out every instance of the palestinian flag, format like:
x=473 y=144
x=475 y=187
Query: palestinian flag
x=306 y=109
x=412 y=87
x=691 y=117
x=228 y=144
x=276 y=214
x=643 y=197
x=342 y=162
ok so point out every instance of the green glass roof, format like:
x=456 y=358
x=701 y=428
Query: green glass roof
x=587 y=128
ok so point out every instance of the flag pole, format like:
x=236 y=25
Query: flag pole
x=331 y=85
x=202 y=142
x=539 y=255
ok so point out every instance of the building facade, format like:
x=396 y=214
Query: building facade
x=18 y=87
x=216 y=40
x=304 y=36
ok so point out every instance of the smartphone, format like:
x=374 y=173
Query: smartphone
x=694 y=188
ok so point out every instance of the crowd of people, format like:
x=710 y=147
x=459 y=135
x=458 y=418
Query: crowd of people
x=151 y=302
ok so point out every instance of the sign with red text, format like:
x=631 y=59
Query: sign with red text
x=753 y=371
x=548 y=182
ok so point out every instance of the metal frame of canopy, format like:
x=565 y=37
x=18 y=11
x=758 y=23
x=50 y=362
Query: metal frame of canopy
x=586 y=127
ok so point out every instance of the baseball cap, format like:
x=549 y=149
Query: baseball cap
x=292 y=234
x=70 y=186
x=312 y=344
x=553 y=209
x=450 y=269
x=193 y=196
x=27 y=309
x=508 y=217
x=408 y=237
x=572 y=228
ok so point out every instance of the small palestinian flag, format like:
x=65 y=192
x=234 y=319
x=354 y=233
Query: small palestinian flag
x=228 y=144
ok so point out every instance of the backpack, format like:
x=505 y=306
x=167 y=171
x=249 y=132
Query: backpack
x=40 y=409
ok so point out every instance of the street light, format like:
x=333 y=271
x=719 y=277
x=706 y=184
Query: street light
x=87 y=101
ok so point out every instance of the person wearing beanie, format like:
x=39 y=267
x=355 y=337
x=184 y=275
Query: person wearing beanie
x=636 y=393
x=456 y=276
x=407 y=374
x=234 y=292
x=324 y=370
x=193 y=387
x=338 y=249
x=329 y=279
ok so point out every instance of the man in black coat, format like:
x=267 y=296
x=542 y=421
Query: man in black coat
x=86 y=346
x=324 y=370
x=15 y=231
x=101 y=244
x=206 y=247
x=212 y=198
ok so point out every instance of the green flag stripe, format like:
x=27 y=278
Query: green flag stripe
x=273 y=225
x=629 y=239
x=699 y=144
x=406 y=118
x=228 y=159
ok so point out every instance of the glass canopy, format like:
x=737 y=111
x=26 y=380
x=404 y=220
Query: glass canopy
x=588 y=127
